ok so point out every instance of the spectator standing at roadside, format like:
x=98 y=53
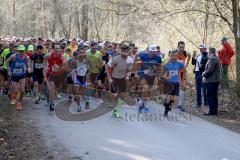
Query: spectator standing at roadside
x=225 y=55
x=199 y=61
x=211 y=76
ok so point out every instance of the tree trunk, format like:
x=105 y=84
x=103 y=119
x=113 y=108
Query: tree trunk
x=85 y=22
x=14 y=18
x=36 y=20
x=45 y=21
x=60 y=19
x=68 y=35
x=78 y=24
x=96 y=24
x=205 y=35
x=53 y=27
x=237 y=42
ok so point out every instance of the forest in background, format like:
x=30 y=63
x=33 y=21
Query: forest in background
x=161 y=22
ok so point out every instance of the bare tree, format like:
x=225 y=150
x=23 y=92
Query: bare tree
x=84 y=27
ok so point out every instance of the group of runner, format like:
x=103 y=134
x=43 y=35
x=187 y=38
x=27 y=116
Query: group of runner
x=41 y=68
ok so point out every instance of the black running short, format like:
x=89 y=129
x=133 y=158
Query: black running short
x=69 y=80
x=102 y=77
x=29 y=75
x=38 y=77
x=17 y=78
x=4 y=74
x=118 y=85
x=175 y=91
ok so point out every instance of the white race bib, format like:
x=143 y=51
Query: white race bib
x=38 y=65
x=81 y=71
x=148 y=72
x=17 y=71
x=173 y=72
x=55 y=68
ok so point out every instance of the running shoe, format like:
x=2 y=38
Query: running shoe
x=42 y=97
x=19 y=106
x=146 y=110
x=59 y=96
x=51 y=107
x=159 y=100
x=165 y=114
x=116 y=113
x=87 y=105
x=28 y=94
x=13 y=98
x=170 y=108
x=181 y=108
x=13 y=101
x=37 y=99
x=70 y=99
x=101 y=101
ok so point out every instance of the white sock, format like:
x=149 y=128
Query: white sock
x=181 y=97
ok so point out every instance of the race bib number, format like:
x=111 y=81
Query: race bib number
x=148 y=72
x=17 y=71
x=81 y=71
x=38 y=65
x=173 y=72
x=55 y=68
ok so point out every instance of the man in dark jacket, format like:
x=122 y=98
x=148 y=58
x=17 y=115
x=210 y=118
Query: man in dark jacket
x=211 y=76
x=199 y=63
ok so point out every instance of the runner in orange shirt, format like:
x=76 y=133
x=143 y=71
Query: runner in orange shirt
x=183 y=57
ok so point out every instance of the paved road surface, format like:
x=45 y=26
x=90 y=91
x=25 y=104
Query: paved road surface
x=183 y=137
